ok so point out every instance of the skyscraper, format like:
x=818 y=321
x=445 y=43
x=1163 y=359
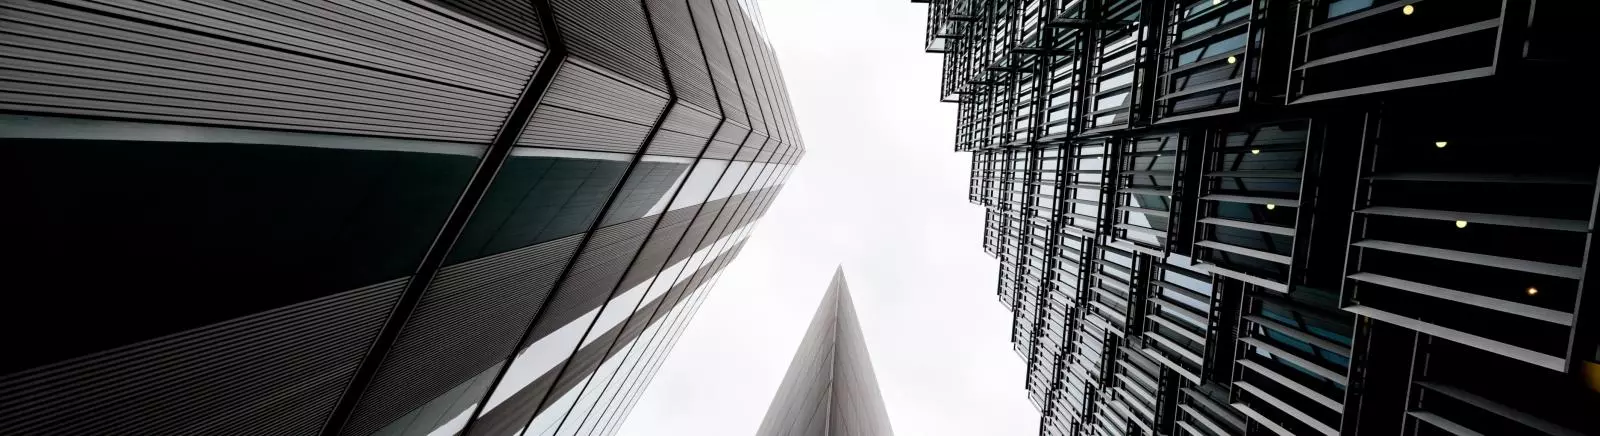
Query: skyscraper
x=830 y=388
x=1317 y=217
x=380 y=217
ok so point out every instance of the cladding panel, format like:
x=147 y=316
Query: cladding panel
x=188 y=65
x=469 y=319
x=339 y=92
x=277 y=372
x=613 y=34
x=680 y=46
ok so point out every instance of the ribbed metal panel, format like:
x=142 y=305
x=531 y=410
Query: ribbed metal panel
x=684 y=132
x=522 y=405
x=757 y=100
x=583 y=86
x=511 y=416
x=587 y=109
x=739 y=63
x=594 y=274
x=469 y=319
x=700 y=226
x=716 y=52
x=605 y=346
x=726 y=143
x=747 y=152
x=514 y=16
x=613 y=34
x=686 y=63
x=764 y=156
x=723 y=225
x=556 y=127
x=692 y=119
x=641 y=372
x=673 y=143
x=653 y=255
x=277 y=372
x=399 y=70
x=830 y=387
x=783 y=113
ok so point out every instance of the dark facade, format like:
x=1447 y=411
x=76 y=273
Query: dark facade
x=830 y=388
x=1318 y=217
x=369 y=218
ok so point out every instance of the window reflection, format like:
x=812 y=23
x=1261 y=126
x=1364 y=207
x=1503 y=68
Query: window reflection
x=649 y=188
x=700 y=182
x=274 y=218
x=548 y=352
x=540 y=195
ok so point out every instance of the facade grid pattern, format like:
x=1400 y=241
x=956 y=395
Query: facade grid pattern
x=1318 y=217
x=396 y=218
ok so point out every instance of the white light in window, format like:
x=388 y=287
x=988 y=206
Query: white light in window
x=1255 y=151
x=1216 y=2
x=1440 y=144
x=1408 y=9
x=1232 y=59
x=1461 y=224
x=1271 y=206
x=1532 y=291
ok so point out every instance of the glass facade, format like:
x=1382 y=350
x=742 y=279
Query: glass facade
x=381 y=218
x=1248 y=217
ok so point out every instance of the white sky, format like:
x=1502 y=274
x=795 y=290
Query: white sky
x=881 y=192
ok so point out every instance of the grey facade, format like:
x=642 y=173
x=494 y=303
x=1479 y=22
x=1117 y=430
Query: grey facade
x=830 y=389
x=1269 y=217
x=369 y=217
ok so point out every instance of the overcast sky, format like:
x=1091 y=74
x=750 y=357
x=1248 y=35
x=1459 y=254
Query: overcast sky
x=881 y=192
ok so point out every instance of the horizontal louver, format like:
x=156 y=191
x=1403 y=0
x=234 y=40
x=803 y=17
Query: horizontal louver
x=1205 y=53
x=1203 y=411
x=1178 y=316
x=1251 y=201
x=1148 y=193
x=1293 y=362
x=1116 y=66
x=1466 y=239
x=1345 y=48
x=1450 y=395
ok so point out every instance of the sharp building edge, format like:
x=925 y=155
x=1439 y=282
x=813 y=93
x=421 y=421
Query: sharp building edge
x=1265 y=217
x=830 y=388
x=429 y=217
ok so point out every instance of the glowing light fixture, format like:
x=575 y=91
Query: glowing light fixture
x=1216 y=2
x=1408 y=10
x=1532 y=291
x=1271 y=206
x=1461 y=224
x=1255 y=151
x=1233 y=60
x=1592 y=370
x=1440 y=144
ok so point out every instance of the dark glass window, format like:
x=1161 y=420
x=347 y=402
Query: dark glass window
x=155 y=229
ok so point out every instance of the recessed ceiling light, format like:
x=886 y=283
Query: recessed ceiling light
x=1461 y=224
x=1232 y=59
x=1255 y=151
x=1271 y=206
x=1408 y=9
x=1533 y=291
x=1440 y=144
